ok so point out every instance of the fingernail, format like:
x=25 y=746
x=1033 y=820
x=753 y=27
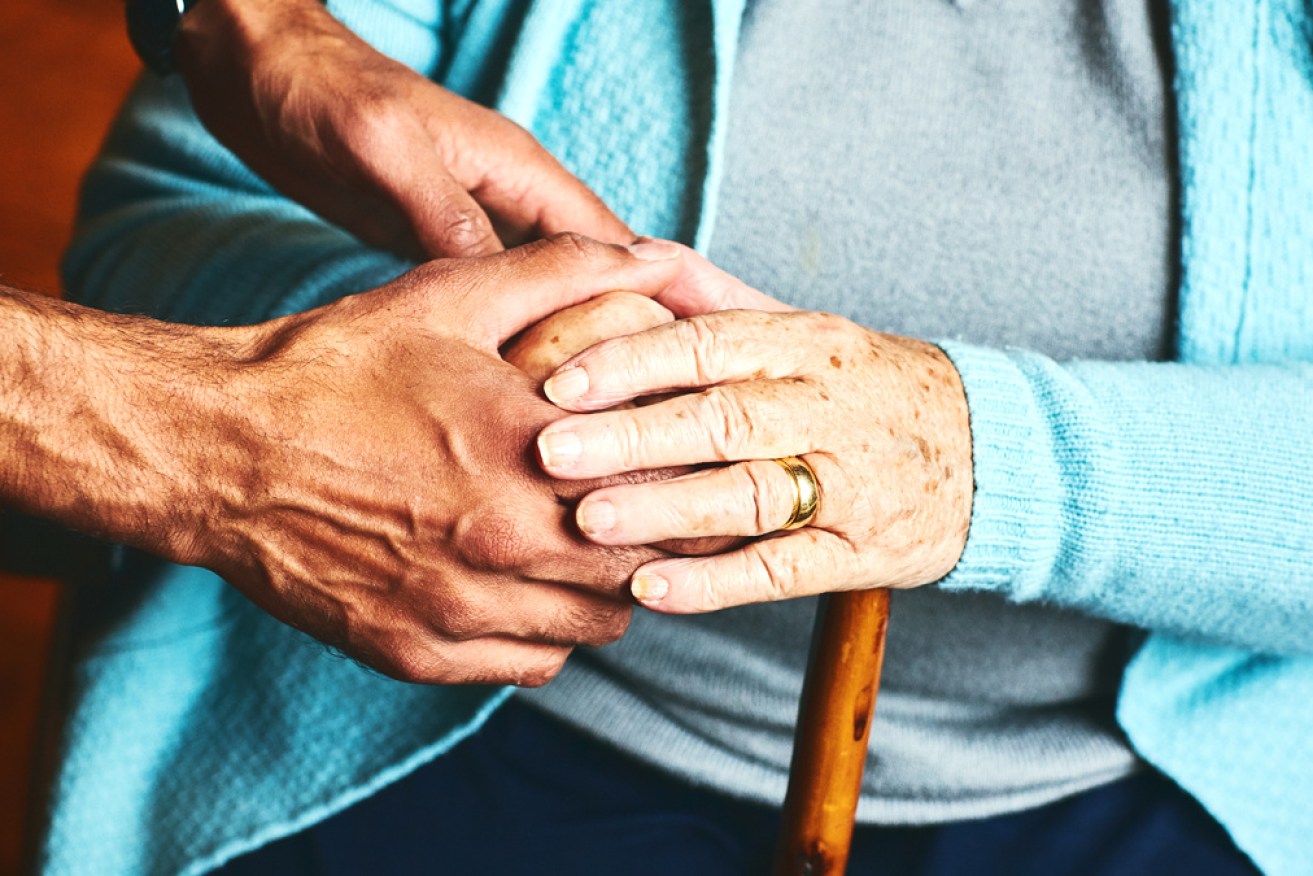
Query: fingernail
x=649 y=589
x=596 y=518
x=654 y=250
x=566 y=386
x=559 y=449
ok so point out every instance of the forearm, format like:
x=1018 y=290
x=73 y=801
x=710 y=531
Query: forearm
x=111 y=424
x=1174 y=497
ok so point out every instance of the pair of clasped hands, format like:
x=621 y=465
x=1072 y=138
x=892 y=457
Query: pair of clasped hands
x=494 y=458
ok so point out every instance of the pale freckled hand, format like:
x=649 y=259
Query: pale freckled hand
x=542 y=348
x=882 y=420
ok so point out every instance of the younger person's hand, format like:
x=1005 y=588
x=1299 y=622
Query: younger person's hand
x=379 y=487
x=368 y=143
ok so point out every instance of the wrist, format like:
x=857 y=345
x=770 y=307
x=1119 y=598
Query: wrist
x=119 y=427
x=196 y=448
x=1016 y=509
x=958 y=490
x=226 y=34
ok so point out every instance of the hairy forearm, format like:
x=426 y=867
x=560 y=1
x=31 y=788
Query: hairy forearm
x=109 y=424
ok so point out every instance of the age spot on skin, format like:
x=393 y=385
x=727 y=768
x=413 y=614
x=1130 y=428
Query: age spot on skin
x=836 y=361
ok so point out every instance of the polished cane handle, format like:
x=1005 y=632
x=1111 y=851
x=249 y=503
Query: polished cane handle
x=834 y=724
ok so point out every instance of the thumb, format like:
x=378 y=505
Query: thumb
x=701 y=287
x=393 y=156
x=529 y=283
x=445 y=220
x=545 y=199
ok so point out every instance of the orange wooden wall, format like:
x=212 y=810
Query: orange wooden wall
x=64 y=67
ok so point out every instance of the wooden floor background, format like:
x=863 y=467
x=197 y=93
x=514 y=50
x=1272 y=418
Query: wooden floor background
x=64 y=67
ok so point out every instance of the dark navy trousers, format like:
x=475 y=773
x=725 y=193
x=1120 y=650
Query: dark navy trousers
x=528 y=795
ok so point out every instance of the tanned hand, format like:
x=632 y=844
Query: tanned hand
x=368 y=143
x=363 y=471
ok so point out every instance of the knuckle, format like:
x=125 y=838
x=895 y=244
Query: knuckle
x=461 y=621
x=540 y=673
x=631 y=439
x=775 y=583
x=464 y=226
x=410 y=661
x=375 y=118
x=521 y=140
x=602 y=626
x=573 y=246
x=699 y=336
x=766 y=496
x=729 y=426
x=493 y=542
x=610 y=569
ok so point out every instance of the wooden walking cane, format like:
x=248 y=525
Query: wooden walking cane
x=834 y=724
x=843 y=672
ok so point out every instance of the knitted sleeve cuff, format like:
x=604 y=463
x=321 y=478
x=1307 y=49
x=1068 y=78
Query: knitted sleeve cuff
x=1168 y=496
x=1016 y=516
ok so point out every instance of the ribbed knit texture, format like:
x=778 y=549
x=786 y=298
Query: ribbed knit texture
x=1089 y=493
x=192 y=740
x=885 y=163
x=1180 y=497
x=1234 y=728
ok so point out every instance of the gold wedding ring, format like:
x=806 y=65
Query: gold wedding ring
x=807 y=497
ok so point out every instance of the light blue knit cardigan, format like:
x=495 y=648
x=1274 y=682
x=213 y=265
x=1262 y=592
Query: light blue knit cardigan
x=1178 y=497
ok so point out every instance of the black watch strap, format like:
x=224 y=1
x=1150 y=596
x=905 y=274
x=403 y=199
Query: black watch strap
x=152 y=26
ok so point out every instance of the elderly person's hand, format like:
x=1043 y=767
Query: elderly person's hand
x=545 y=346
x=541 y=349
x=881 y=421
x=370 y=144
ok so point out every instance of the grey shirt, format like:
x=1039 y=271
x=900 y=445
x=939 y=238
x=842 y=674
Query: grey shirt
x=997 y=171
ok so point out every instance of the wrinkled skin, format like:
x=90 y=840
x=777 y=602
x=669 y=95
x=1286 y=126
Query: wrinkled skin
x=882 y=420
x=540 y=350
